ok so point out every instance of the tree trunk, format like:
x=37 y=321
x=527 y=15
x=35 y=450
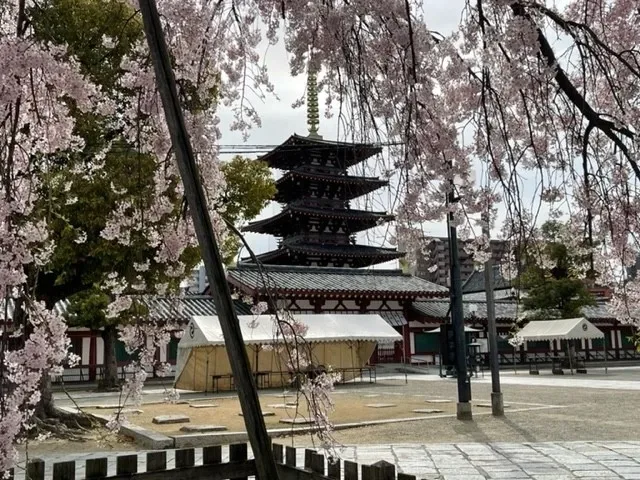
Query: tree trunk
x=110 y=371
x=46 y=406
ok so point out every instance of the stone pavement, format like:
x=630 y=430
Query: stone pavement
x=462 y=461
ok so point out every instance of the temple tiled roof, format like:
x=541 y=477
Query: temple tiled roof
x=505 y=310
x=179 y=309
x=291 y=152
x=331 y=281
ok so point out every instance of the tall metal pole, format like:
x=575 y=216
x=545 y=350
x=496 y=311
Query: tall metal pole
x=463 y=408
x=245 y=383
x=497 y=404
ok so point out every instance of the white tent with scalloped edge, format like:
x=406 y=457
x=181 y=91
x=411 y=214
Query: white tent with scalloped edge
x=562 y=329
x=342 y=342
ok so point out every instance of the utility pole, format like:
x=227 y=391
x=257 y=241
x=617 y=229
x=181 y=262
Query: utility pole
x=243 y=377
x=463 y=408
x=497 y=404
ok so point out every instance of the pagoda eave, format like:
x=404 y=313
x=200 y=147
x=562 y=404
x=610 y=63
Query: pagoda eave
x=291 y=183
x=356 y=256
x=285 y=222
x=288 y=155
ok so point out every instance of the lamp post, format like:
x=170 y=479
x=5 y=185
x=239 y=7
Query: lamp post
x=463 y=407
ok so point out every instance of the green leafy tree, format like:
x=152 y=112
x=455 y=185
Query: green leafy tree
x=554 y=277
x=77 y=204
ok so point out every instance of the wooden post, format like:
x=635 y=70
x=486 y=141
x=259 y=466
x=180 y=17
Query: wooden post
x=35 y=470
x=212 y=455
x=291 y=456
x=350 y=470
x=96 y=468
x=185 y=458
x=156 y=461
x=333 y=469
x=64 y=471
x=308 y=455
x=238 y=453
x=404 y=476
x=317 y=463
x=245 y=383
x=278 y=453
x=127 y=465
x=387 y=470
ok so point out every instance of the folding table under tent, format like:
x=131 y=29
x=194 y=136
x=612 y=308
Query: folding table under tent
x=344 y=342
x=563 y=329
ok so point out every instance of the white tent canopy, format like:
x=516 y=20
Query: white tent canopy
x=563 y=329
x=261 y=330
x=343 y=342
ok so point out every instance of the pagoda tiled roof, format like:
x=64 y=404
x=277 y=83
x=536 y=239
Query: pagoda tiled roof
x=332 y=282
x=361 y=255
x=358 y=219
x=293 y=152
x=355 y=186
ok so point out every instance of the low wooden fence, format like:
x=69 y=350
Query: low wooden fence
x=239 y=467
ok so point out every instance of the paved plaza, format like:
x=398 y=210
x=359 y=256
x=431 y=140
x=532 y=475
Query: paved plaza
x=554 y=428
x=462 y=461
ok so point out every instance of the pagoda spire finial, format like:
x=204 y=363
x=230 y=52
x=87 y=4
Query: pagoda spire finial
x=313 y=115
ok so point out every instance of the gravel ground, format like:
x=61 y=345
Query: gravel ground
x=585 y=414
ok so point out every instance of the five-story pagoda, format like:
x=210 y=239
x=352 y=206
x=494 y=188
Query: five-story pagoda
x=317 y=226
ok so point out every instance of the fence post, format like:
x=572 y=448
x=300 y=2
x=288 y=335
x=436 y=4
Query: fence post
x=64 y=471
x=317 y=463
x=96 y=468
x=291 y=456
x=388 y=470
x=278 y=452
x=35 y=470
x=127 y=464
x=308 y=455
x=185 y=458
x=156 y=461
x=404 y=476
x=333 y=469
x=350 y=470
x=212 y=455
x=238 y=453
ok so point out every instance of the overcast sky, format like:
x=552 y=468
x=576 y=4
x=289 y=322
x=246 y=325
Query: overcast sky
x=280 y=120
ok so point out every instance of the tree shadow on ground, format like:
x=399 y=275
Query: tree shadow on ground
x=474 y=431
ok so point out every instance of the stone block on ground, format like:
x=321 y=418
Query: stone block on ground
x=203 y=405
x=203 y=428
x=167 y=419
x=283 y=405
x=381 y=405
x=437 y=400
x=296 y=421
x=131 y=411
x=264 y=414
x=427 y=410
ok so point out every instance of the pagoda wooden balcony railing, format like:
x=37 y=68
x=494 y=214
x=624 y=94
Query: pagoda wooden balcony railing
x=315 y=202
x=318 y=239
